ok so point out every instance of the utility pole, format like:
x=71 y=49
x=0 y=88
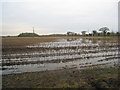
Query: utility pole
x=33 y=30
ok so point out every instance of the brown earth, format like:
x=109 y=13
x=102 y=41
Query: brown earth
x=67 y=78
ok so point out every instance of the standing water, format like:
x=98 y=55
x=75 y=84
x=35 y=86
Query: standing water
x=76 y=53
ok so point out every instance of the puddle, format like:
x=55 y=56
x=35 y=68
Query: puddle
x=62 y=54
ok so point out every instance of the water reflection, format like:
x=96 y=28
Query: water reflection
x=84 y=41
x=70 y=52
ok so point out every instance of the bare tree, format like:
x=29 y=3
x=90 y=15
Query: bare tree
x=94 y=32
x=104 y=30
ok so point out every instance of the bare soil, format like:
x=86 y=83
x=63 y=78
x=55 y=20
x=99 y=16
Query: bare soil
x=67 y=78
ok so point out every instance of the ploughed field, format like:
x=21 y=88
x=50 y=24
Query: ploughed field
x=33 y=54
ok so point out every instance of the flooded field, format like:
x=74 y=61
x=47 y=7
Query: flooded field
x=54 y=53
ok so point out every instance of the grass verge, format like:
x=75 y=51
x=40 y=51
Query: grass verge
x=67 y=78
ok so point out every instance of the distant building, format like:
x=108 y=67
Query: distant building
x=72 y=34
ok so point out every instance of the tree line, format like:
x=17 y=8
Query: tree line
x=103 y=32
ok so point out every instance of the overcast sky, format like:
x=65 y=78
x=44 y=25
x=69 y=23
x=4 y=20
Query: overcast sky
x=58 y=16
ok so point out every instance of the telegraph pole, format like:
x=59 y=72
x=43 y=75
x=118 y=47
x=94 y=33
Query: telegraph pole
x=33 y=30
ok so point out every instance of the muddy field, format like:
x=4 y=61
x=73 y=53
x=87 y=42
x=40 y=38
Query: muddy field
x=60 y=62
x=35 y=54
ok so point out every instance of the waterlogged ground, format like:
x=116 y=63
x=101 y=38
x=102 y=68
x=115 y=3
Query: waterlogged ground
x=42 y=54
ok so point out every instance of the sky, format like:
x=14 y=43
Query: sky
x=57 y=16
